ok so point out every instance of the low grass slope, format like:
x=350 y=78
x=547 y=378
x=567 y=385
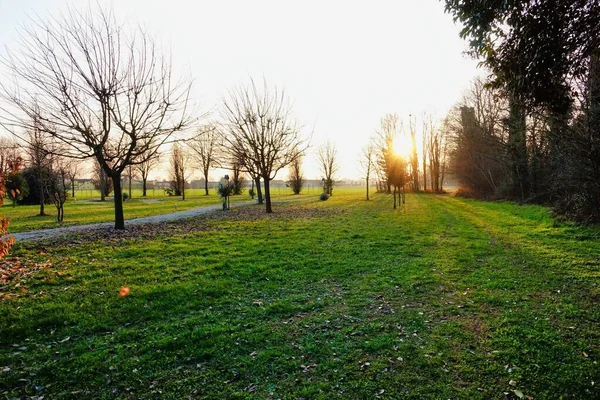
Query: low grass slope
x=442 y=298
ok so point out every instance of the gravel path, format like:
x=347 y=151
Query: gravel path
x=50 y=233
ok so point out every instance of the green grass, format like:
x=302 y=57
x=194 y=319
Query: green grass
x=87 y=211
x=445 y=298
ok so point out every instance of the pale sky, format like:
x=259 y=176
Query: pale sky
x=343 y=63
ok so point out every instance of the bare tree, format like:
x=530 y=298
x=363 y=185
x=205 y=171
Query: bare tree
x=296 y=179
x=414 y=157
x=367 y=163
x=477 y=136
x=261 y=133
x=100 y=89
x=101 y=181
x=328 y=163
x=58 y=185
x=143 y=169
x=10 y=150
x=425 y=133
x=179 y=169
x=399 y=177
x=72 y=169
x=131 y=173
x=206 y=149
x=40 y=150
x=436 y=149
x=388 y=133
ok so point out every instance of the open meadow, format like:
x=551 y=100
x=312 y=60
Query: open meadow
x=442 y=298
x=86 y=208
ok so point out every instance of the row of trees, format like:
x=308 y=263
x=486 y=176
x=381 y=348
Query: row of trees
x=391 y=157
x=97 y=89
x=37 y=176
x=532 y=131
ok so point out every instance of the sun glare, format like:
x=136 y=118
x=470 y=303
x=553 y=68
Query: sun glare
x=402 y=146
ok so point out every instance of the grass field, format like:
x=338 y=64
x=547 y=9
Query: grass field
x=444 y=298
x=90 y=210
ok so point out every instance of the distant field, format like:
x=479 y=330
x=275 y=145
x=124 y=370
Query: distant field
x=443 y=298
x=90 y=210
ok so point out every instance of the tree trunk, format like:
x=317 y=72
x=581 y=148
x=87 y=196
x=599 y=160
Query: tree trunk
x=517 y=149
x=368 y=187
x=424 y=172
x=206 y=183
x=73 y=188
x=130 y=183
x=415 y=170
x=268 y=207
x=119 y=217
x=432 y=173
x=394 y=198
x=103 y=184
x=258 y=190
x=443 y=176
x=42 y=194
x=144 y=181
x=183 y=191
x=42 y=201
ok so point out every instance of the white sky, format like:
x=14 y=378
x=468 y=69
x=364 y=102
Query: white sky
x=343 y=63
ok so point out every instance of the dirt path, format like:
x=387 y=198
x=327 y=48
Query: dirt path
x=50 y=233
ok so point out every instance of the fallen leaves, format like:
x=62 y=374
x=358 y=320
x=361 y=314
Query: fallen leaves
x=15 y=273
x=187 y=226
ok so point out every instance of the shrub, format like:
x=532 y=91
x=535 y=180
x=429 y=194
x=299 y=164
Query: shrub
x=125 y=196
x=16 y=187
x=324 y=196
x=225 y=188
x=464 y=192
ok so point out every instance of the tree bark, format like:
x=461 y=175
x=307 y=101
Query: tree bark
x=144 y=181
x=368 y=187
x=42 y=201
x=73 y=188
x=424 y=167
x=517 y=149
x=268 y=207
x=41 y=185
x=103 y=184
x=119 y=217
x=258 y=190
x=206 y=183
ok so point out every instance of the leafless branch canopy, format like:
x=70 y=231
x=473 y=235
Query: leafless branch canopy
x=96 y=87
x=260 y=131
x=206 y=148
x=328 y=163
